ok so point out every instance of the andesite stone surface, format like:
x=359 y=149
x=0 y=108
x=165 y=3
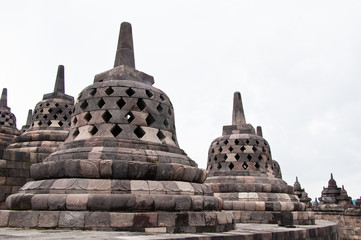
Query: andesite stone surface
x=302 y=194
x=46 y=128
x=120 y=167
x=242 y=172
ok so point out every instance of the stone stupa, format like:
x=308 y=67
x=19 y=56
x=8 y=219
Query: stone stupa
x=121 y=167
x=242 y=172
x=8 y=130
x=42 y=134
x=301 y=194
x=333 y=198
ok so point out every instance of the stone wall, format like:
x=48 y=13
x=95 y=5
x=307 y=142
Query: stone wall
x=349 y=222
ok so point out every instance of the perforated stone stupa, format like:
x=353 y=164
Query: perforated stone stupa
x=8 y=130
x=333 y=198
x=44 y=131
x=121 y=167
x=241 y=171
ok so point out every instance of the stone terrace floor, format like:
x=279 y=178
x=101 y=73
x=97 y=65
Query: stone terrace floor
x=243 y=231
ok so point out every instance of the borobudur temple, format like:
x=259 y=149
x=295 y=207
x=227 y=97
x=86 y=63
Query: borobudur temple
x=120 y=167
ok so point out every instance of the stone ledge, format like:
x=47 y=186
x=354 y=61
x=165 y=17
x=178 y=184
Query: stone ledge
x=322 y=230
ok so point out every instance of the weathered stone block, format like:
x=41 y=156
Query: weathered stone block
x=145 y=219
x=48 y=219
x=97 y=220
x=70 y=219
x=121 y=219
x=77 y=202
x=57 y=201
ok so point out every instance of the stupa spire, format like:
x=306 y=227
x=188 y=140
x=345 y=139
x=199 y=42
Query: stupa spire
x=4 y=98
x=238 y=117
x=59 y=83
x=30 y=115
x=125 y=50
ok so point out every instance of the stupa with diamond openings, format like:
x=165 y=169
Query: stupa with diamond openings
x=241 y=172
x=44 y=131
x=8 y=130
x=120 y=167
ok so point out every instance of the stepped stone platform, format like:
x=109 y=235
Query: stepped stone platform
x=322 y=230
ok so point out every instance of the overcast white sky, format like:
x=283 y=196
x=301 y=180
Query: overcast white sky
x=296 y=64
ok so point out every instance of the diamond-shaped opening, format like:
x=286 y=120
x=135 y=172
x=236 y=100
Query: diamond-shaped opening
x=45 y=116
x=225 y=156
x=212 y=150
x=263 y=149
x=65 y=118
x=237 y=157
x=120 y=103
x=106 y=116
x=165 y=122
x=76 y=133
x=220 y=149
x=160 y=135
x=209 y=159
x=266 y=165
x=225 y=142
x=55 y=116
x=130 y=92
x=41 y=105
x=109 y=91
x=32 y=124
x=249 y=157
x=60 y=123
x=41 y=110
x=93 y=91
x=254 y=149
x=93 y=131
x=100 y=103
x=219 y=166
x=129 y=116
x=149 y=93
x=230 y=148
x=116 y=130
x=265 y=143
x=87 y=116
x=257 y=142
x=75 y=120
x=66 y=105
x=245 y=166
x=35 y=111
x=257 y=165
x=231 y=166
x=47 y=104
x=159 y=107
x=37 y=117
x=260 y=157
x=50 y=110
x=243 y=148
x=84 y=105
x=236 y=142
x=150 y=119
x=40 y=123
x=247 y=141
x=141 y=104
x=68 y=124
x=162 y=97
x=169 y=111
x=139 y=132
x=59 y=111
x=56 y=104
x=70 y=112
x=49 y=123
x=215 y=158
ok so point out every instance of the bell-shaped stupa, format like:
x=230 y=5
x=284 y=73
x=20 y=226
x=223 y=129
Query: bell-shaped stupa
x=333 y=198
x=121 y=167
x=43 y=133
x=241 y=172
x=8 y=130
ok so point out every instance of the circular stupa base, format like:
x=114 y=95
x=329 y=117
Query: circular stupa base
x=162 y=222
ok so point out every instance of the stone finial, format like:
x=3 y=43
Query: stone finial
x=4 y=98
x=259 y=131
x=125 y=50
x=59 y=83
x=238 y=117
x=30 y=115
